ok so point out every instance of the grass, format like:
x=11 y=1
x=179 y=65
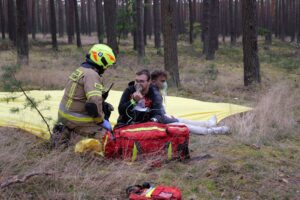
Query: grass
x=259 y=160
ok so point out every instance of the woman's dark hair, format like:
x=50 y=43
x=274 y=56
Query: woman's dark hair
x=157 y=73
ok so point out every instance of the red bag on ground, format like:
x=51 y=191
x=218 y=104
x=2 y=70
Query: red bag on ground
x=153 y=193
x=133 y=142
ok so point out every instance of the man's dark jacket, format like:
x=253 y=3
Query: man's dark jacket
x=153 y=100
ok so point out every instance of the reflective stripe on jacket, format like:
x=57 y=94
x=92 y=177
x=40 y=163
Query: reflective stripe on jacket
x=84 y=86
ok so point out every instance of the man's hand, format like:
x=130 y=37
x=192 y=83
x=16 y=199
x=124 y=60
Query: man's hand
x=137 y=96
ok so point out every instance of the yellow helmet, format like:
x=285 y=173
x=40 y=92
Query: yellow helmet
x=102 y=55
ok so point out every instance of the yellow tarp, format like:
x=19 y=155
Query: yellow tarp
x=30 y=121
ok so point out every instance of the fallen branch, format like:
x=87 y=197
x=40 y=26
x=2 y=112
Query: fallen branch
x=16 y=179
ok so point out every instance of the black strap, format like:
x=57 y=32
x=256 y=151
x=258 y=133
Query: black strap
x=135 y=189
x=105 y=94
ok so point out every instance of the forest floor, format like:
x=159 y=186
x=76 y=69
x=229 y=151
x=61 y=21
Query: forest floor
x=258 y=160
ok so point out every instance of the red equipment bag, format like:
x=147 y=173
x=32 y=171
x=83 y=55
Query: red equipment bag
x=160 y=192
x=140 y=140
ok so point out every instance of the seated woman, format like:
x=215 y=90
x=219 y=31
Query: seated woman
x=159 y=80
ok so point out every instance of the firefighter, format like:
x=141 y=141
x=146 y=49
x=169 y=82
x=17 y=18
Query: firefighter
x=81 y=108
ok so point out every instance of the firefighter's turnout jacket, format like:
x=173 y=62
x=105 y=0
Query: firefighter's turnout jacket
x=84 y=86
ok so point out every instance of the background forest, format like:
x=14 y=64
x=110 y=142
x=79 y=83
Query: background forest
x=244 y=52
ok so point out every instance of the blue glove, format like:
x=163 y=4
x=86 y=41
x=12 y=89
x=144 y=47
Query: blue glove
x=105 y=124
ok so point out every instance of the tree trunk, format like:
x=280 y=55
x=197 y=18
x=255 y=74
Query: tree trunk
x=11 y=21
x=250 y=50
x=2 y=20
x=110 y=12
x=222 y=20
x=100 y=20
x=38 y=17
x=268 y=38
x=180 y=23
x=216 y=25
x=33 y=20
x=192 y=17
x=236 y=18
x=89 y=17
x=78 y=40
x=232 y=25
x=293 y=20
x=298 y=35
x=262 y=14
x=83 y=16
x=70 y=20
x=60 y=18
x=205 y=22
x=52 y=20
x=168 y=16
x=67 y=21
x=44 y=18
x=22 y=37
x=277 y=18
x=212 y=43
x=282 y=21
x=133 y=32
x=146 y=12
x=93 y=16
x=157 y=24
x=29 y=16
x=140 y=30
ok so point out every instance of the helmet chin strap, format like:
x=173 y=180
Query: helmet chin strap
x=100 y=69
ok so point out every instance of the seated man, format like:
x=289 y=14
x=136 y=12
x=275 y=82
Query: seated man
x=140 y=102
x=159 y=80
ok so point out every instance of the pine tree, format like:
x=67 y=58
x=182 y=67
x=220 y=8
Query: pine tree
x=100 y=20
x=140 y=30
x=250 y=49
x=157 y=24
x=22 y=33
x=78 y=40
x=52 y=19
x=11 y=21
x=168 y=16
x=110 y=12
x=2 y=20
